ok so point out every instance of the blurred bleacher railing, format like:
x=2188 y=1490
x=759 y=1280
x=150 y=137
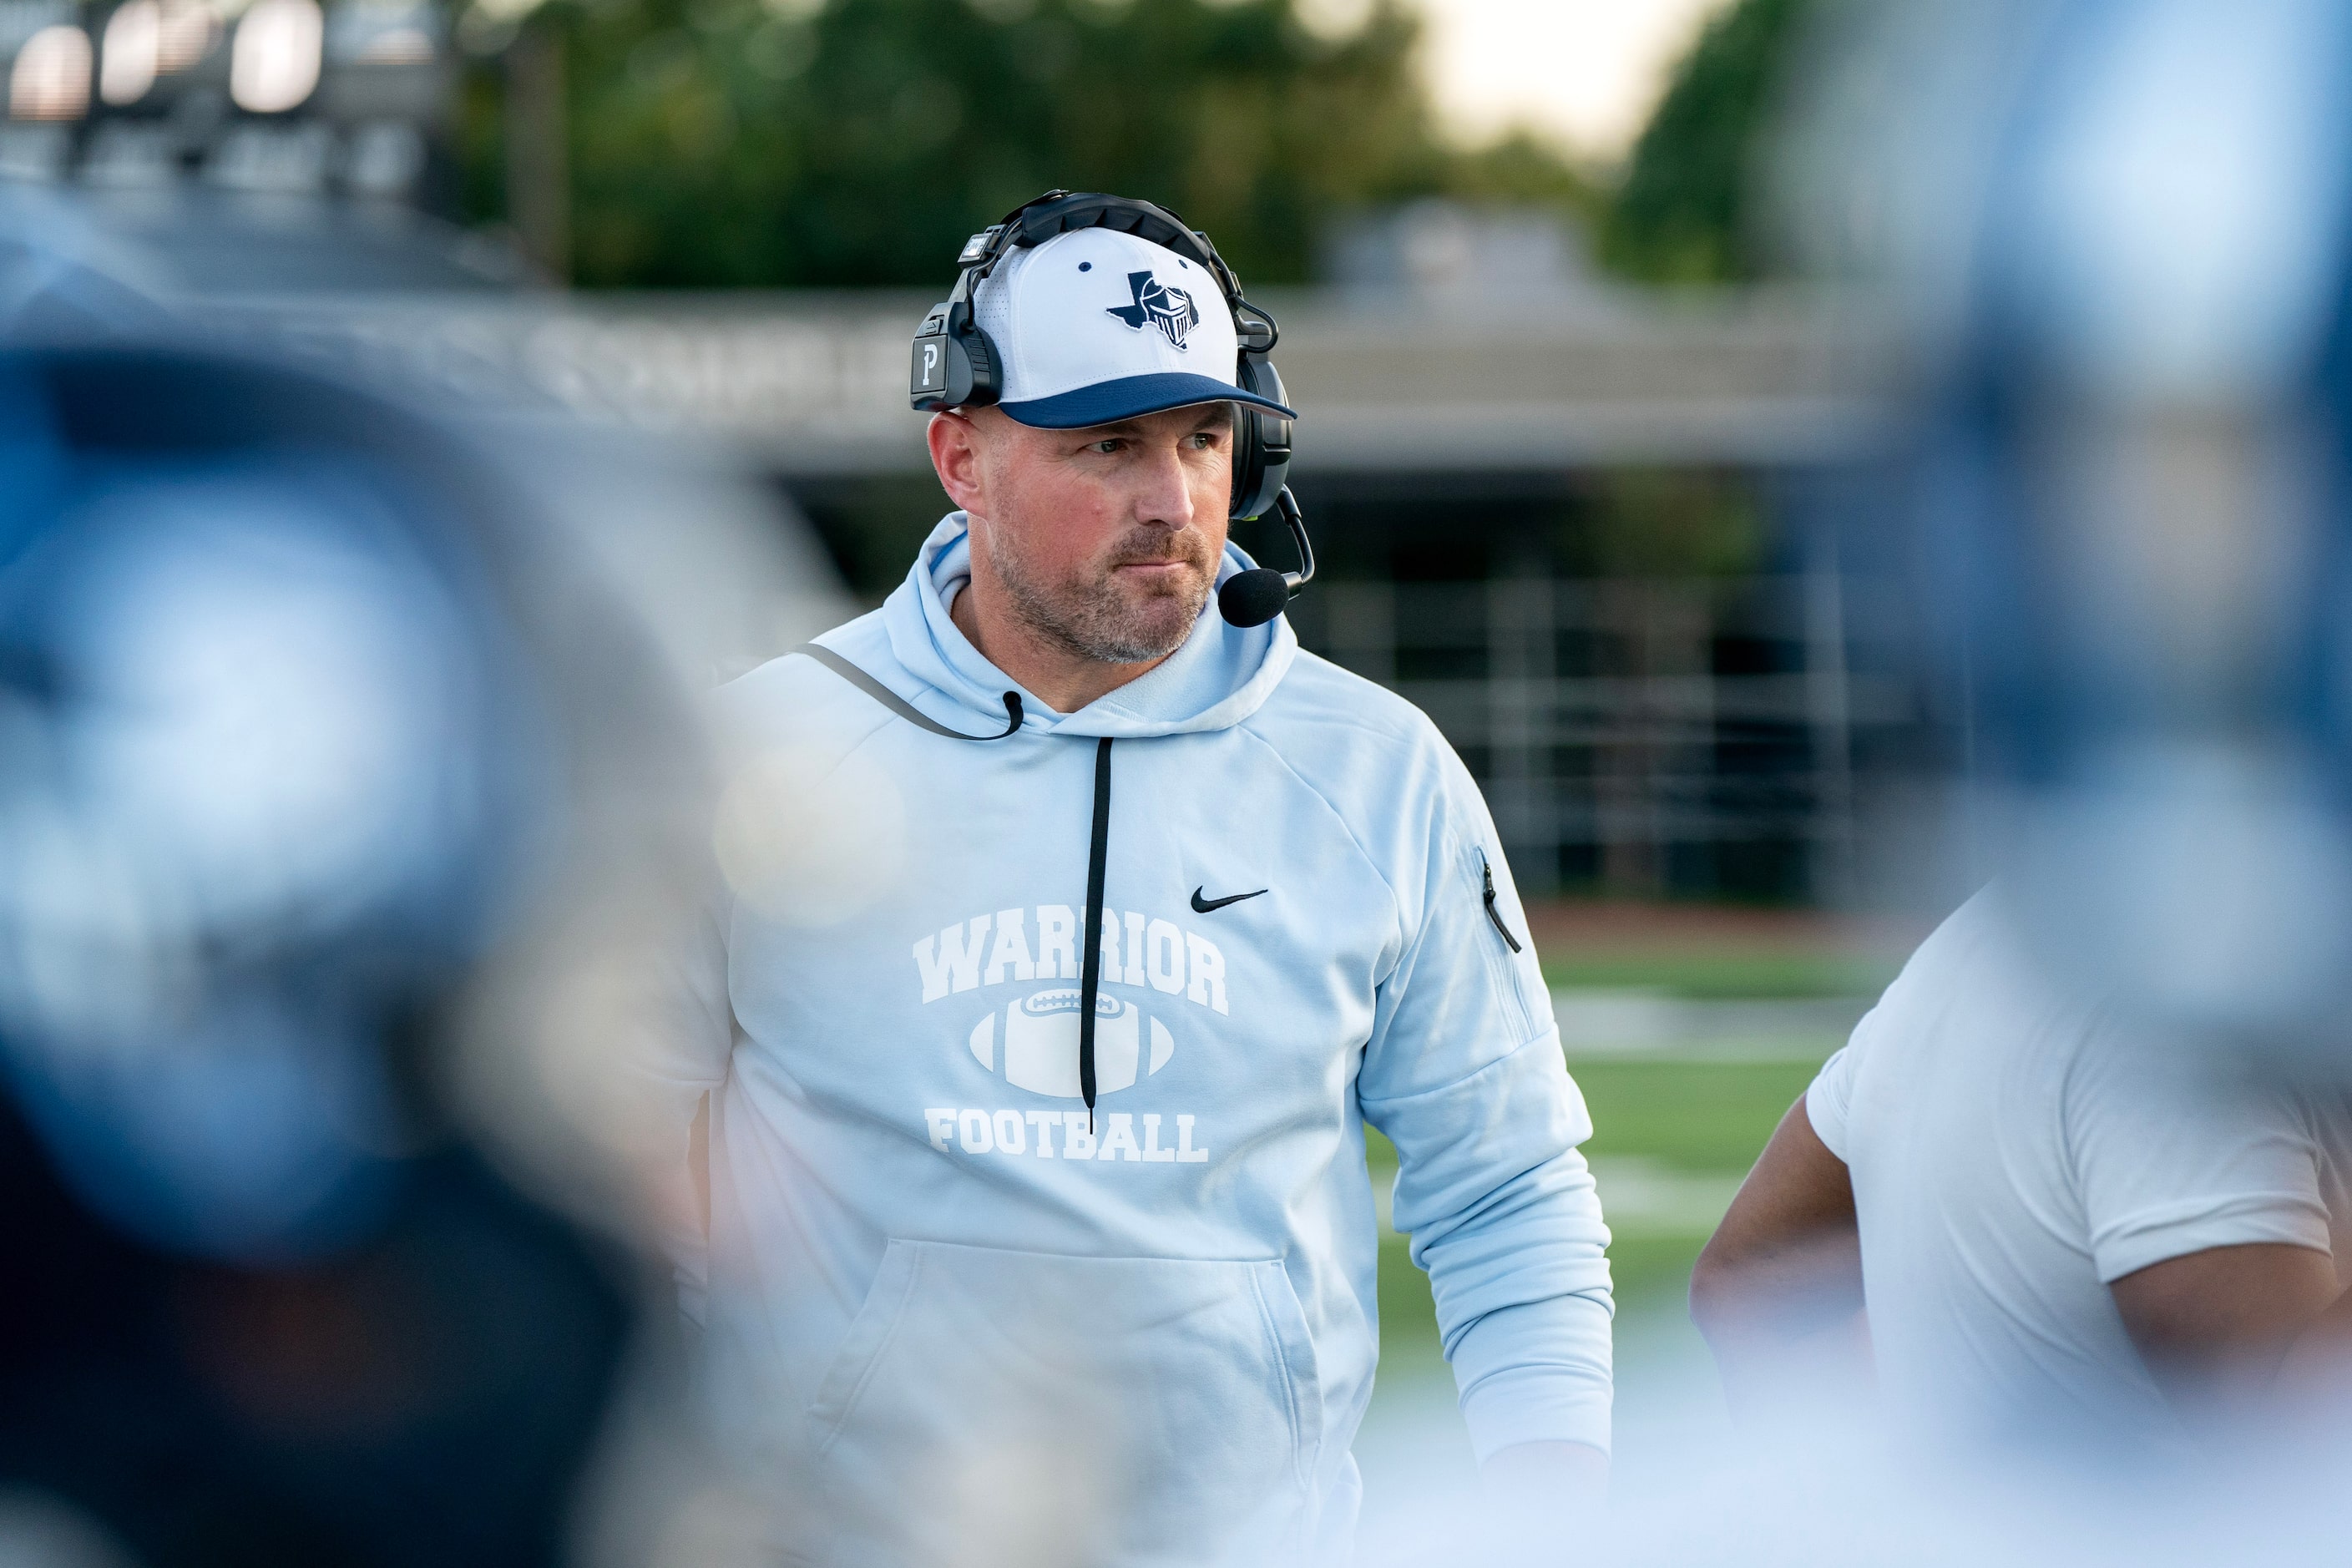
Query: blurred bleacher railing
x=1618 y=723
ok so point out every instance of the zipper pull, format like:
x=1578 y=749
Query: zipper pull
x=1487 y=873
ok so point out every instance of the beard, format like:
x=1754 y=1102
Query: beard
x=1094 y=613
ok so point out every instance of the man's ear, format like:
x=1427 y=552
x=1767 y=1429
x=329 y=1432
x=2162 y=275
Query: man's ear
x=955 y=441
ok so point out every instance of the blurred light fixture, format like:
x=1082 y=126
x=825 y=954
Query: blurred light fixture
x=275 y=57
x=50 y=80
x=130 y=52
x=185 y=35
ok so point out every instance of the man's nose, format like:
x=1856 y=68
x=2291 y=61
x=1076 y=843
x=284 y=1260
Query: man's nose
x=1164 y=490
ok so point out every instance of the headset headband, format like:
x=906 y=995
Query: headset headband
x=1061 y=212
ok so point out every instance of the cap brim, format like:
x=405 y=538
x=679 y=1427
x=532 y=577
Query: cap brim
x=1108 y=402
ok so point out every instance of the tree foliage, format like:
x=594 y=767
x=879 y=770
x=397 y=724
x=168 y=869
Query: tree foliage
x=723 y=142
x=1681 y=216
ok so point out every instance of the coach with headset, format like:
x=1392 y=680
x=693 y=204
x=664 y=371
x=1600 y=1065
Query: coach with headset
x=1074 y=928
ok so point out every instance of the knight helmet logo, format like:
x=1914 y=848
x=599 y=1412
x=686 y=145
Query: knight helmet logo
x=1156 y=304
x=1041 y=1043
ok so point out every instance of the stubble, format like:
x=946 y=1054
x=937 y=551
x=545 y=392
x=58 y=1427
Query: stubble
x=1093 y=613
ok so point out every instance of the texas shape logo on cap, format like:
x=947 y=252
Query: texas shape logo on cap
x=1170 y=310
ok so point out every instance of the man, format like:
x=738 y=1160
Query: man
x=2062 y=1229
x=987 y=1285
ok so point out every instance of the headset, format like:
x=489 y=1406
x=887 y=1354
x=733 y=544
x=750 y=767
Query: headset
x=954 y=365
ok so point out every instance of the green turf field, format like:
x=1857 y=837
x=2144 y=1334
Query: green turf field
x=1670 y=1139
x=1708 y=975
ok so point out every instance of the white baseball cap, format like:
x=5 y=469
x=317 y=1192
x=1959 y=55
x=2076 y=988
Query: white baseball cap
x=1095 y=326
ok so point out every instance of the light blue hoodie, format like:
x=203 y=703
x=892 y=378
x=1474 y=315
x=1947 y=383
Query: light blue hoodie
x=947 y=1302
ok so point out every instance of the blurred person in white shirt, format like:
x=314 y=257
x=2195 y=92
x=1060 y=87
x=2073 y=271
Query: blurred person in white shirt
x=2061 y=1229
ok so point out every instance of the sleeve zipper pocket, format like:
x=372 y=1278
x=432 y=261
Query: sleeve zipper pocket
x=1486 y=874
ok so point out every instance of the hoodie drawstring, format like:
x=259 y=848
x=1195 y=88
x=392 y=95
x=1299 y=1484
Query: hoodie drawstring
x=1090 y=971
x=1097 y=845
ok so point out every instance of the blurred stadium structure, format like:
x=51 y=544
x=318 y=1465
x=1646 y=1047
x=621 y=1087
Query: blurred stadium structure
x=1478 y=405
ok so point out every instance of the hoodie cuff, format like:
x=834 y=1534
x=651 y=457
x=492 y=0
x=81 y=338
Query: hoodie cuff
x=1536 y=1374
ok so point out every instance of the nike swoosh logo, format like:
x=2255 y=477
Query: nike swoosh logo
x=1201 y=906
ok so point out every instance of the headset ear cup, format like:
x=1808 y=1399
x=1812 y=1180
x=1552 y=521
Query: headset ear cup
x=1249 y=461
x=987 y=368
x=1261 y=440
x=973 y=380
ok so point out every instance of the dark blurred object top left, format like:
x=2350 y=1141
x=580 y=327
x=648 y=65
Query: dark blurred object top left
x=332 y=775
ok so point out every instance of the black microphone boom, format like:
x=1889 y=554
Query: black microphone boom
x=1254 y=597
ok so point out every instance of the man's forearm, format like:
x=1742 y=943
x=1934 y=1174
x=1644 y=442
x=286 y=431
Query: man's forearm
x=1778 y=1291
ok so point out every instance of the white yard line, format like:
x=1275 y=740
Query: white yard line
x=1646 y=1197
x=1652 y=1024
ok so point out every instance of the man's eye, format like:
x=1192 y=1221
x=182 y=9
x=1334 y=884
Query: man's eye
x=1109 y=446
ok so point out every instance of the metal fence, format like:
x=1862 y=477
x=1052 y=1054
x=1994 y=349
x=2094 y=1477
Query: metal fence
x=1642 y=736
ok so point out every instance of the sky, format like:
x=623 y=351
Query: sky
x=1586 y=71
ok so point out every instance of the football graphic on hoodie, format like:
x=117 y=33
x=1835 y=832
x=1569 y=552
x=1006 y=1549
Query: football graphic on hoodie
x=1040 y=1043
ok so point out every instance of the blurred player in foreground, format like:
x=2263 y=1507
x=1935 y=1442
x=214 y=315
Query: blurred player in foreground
x=340 y=804
x=995 y=1287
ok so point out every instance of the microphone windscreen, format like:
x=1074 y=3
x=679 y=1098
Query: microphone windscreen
x=1254 y=597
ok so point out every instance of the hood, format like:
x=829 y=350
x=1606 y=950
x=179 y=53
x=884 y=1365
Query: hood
x=1221 y=676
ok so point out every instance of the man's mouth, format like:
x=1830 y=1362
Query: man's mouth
x=1154 y=571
